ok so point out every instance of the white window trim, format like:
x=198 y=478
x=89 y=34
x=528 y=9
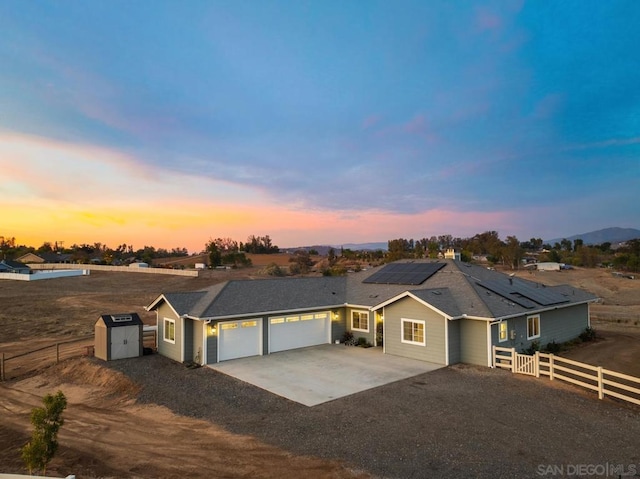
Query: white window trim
x=424 y=331
x=506 y=337
x=164 y=330
x=368 y=321
x=535 y=317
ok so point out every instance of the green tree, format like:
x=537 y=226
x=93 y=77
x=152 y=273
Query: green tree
x=46 y=422
x=215 y=256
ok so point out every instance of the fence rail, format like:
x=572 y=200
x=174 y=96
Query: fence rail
x=595 y=378
x=31 y=361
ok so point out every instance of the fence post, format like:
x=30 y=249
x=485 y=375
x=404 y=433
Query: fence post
x=551 y=366
x=600 y=384
x=537 y=364
x=57 y=353
x=513 y=360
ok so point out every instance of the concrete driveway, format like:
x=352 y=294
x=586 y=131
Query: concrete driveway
x=318 y=374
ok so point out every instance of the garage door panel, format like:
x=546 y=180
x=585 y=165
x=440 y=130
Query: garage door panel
x=299 y=331
x=239 y=339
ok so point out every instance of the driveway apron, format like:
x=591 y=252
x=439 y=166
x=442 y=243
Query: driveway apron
x=318 y=374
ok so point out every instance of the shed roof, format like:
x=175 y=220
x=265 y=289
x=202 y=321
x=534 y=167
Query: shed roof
x=120 y=320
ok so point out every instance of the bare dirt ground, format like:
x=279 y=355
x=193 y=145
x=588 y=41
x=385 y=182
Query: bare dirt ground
x=107 y=434
x=110 y=432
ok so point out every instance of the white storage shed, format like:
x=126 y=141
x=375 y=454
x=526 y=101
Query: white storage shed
x=118 y=336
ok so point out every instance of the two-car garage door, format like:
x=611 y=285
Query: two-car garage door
x=243 y=338
x=299 y=331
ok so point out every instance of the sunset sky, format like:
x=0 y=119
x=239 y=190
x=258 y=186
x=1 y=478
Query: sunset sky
x=167 y=123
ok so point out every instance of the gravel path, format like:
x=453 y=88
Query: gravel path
x=457 y=422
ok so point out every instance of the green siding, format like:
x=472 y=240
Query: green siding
x=198 y=335
x=557 y=325
x=173 y=351
x=189 y=352
x=473 y=342
x=338 y=326
x=454 y=342
x=212 y=349
x=408 y=308
x=371 y=334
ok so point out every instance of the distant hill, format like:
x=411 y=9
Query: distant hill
x=607 y=235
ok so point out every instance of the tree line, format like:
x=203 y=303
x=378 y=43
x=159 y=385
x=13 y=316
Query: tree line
x=512 y=252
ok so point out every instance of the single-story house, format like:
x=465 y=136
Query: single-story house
x=9 y=266
x=443 y=311
x=49 y=257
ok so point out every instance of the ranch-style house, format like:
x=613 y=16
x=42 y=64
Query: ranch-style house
x=443 y=311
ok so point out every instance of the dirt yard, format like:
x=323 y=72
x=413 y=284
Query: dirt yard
x=615 y=317
x=110 y=432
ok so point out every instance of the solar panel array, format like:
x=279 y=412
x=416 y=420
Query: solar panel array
x=524 y=294
x=404 y=273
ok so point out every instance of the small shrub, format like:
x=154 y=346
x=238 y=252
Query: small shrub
x=362 y=341
x=553 y=347
x=589 y=334
x=348 y=339
x=535 y=346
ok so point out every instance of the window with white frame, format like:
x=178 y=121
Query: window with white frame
x=503 y=331
x=360 y=321
x=533 y=327
x=413 y=332
x=169 y=330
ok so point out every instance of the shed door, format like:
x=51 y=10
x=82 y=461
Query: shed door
x=239 y=339
x=125 y=342
x=299 y=331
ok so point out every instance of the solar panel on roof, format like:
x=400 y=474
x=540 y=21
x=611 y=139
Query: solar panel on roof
x=404 y=273
x=506 y=292
x=524 y=294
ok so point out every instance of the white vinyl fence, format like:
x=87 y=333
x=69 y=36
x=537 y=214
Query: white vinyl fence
x=604 y=381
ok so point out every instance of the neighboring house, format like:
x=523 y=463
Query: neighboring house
x=8 y=266
x=45 y=258
x=443 y=311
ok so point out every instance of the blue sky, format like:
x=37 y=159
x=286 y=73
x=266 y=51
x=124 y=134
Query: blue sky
x=317 y=122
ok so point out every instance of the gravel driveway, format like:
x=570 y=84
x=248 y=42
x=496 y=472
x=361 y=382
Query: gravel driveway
x=456 y=422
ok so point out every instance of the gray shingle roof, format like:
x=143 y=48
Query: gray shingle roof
x=457 y=283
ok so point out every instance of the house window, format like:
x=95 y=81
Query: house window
x=533 y=327
x=360 y=321
x=170 y=330
x=503 y=331
x=413 y=332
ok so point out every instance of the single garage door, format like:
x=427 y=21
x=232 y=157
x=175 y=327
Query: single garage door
x=299 y=331
x=239 y=339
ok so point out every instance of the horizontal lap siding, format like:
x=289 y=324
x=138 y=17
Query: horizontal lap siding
x=473 y=342
x=408 y=308
x=454 y=342
x=165 y=348
x=563 y=324
x=198 y=330
x=557 y=325
x=212 y=348
x=338 y=325
x=368 y=335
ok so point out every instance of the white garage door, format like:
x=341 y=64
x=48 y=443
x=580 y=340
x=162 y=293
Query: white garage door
x=125 y=342
x=239 y=339
x=299 y=331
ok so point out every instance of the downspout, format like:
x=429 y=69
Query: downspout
x=489 y=362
